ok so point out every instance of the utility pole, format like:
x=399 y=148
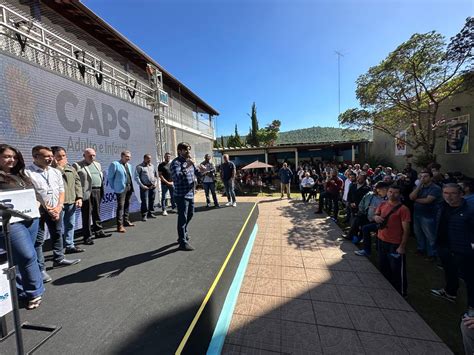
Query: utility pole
x=339 y=55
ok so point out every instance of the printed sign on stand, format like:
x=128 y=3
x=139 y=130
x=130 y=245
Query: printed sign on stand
x=5 y=292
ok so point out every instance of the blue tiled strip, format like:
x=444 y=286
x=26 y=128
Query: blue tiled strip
x=220 y=332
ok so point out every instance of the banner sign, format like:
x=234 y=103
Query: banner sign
x=38 y=106
x=400 y=143
x=5 y=292
x=457 y=135
x=23 y=200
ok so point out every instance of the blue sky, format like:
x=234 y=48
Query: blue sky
x=280 y=54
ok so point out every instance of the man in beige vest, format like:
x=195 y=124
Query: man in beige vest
x=92 y=180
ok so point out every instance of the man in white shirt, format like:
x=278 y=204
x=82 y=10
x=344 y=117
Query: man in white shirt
x=49 y=188
x=306 y=186
x=351 y=177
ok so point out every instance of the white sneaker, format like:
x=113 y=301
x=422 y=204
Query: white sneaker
x=165 y=213
x=228 y=204
x=234 y=204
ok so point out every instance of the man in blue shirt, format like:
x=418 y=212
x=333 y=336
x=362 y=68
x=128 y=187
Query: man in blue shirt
x=183 y=171
x=285 y=180
x=120 y=180
x=426 y=197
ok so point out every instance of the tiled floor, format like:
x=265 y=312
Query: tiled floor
x=306 y=293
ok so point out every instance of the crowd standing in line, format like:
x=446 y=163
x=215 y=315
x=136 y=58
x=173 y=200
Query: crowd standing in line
x=438 y=208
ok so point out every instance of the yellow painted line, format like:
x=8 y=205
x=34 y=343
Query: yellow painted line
x=213 y=286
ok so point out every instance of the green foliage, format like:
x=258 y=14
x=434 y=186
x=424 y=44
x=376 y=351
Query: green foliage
x=406 y=89
x=252 y=138
x=222 y=142
x=267 y=136
x=216 y=144
x=237 y=139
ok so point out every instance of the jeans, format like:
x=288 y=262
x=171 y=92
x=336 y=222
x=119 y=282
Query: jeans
x=185 y=214
x=164 y=189
x=123 y=204
x=210 y=186
x=332 y=200
x=23 y=236
x=91 y=214
x=54 y=229
x=147 y=197
x=392 y=267
x=366 y=231
x=453 y=264
x=68 y=216
x=357 y=222
x=229 y=190
x=425 y=234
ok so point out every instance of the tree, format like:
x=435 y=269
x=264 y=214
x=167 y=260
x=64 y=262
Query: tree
x=237 y=140
x=406 y=89
x=222 y=142
x=231 y=141
x=216 y=144
x=252 y=138
x=267 y=136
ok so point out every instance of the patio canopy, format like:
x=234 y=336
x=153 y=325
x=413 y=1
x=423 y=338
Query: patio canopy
x=257 y=165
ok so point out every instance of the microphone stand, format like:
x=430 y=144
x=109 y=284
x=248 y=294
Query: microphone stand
x=7 y=213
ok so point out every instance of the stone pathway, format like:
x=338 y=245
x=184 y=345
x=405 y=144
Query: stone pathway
x=306 y=293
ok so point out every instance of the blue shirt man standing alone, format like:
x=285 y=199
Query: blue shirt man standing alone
x=183 y=171
x=285 y=180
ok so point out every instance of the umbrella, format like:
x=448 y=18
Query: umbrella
x=257 y=165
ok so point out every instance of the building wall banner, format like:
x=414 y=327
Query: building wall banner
x=457 y=135
x=38 y=106
x=400 y=143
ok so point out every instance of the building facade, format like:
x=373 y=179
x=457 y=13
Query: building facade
x=68 y=78
x=452 y=148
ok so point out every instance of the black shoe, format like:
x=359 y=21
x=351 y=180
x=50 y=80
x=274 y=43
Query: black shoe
x=66 y=262
x=101 y=234
x=217 y=206
x=74 y=250
x=186 y=247
x=128 y=224
x=208 y=206
x=88 y=241
x=149 y=215
x=144 y=219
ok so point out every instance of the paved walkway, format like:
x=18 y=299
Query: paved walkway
x=306 y=293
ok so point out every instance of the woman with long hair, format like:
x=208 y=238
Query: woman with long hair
x=22 y=234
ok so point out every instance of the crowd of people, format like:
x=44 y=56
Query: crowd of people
x=61 y=188
x=383 y=203
x=437 y=208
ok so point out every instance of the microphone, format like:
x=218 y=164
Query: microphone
x=6 y=209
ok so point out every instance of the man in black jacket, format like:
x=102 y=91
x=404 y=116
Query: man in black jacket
x=357 y=190
x=455 y=242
